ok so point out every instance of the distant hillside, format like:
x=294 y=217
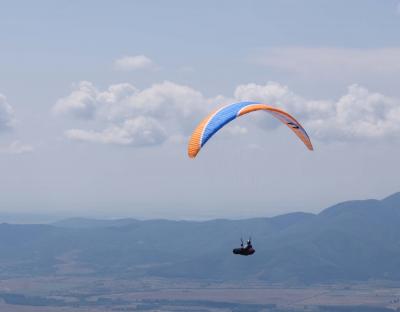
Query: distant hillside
x=354 y=240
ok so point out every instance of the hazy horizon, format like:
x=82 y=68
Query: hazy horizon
x=44 y=218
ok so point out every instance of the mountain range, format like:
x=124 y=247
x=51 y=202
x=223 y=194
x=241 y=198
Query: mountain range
x=350 y=241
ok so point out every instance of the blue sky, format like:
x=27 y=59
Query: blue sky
x=98 y=99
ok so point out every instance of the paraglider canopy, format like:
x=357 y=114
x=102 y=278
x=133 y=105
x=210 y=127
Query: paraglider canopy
x=219 y=118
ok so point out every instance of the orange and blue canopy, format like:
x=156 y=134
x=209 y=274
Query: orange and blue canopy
x=219 y=118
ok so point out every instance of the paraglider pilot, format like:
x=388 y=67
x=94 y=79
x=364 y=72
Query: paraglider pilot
x=245 y=251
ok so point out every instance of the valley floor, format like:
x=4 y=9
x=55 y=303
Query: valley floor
x=72 y=293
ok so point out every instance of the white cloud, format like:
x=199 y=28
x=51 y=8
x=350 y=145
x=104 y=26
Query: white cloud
x=279 y=95
x=7 y=119
x=167 y=110
x=16 y=147
x=128 y=63
x=165 y=100
x=323 y=62
x=139 y=131
x=135 y=117
x=80 y=103
x=359 y=114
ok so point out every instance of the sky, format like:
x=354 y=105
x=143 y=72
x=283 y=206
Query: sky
x=98 y=100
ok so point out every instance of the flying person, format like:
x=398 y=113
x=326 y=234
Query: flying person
x=220 y=117
x=248 y=246
x=245 y=251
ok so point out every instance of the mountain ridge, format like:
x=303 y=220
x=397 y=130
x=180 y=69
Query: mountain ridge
x=350 y=241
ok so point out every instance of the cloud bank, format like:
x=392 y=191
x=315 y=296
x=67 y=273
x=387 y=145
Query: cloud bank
x=358 y=114
x=140 y=131
x=129 y=116
x=125 y=115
